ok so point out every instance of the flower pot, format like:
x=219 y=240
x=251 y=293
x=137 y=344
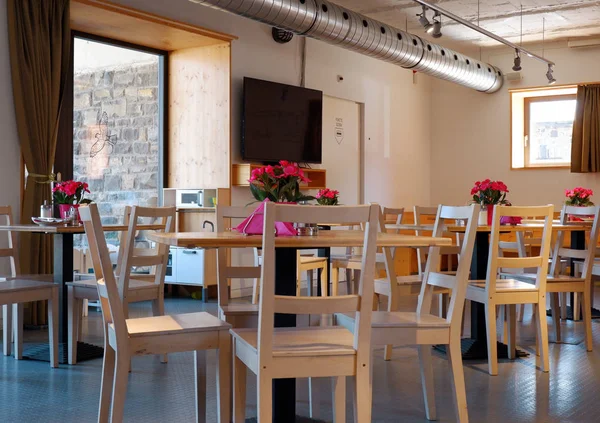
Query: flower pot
x=490 y=214
x=63 y=210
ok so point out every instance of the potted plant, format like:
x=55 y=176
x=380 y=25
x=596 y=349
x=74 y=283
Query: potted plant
x=578 y=197
x=488 y=194
x=279 y=183
x=327 y=197
x=69 y=194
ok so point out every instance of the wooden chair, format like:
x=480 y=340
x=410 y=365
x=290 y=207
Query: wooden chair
x=351 y=262
x=18 y=289
x=425 y=329
x=124 y=338
x=510 y=292
x=132 y=288
x=309 y=351
x=560 y=283
x=239 y=315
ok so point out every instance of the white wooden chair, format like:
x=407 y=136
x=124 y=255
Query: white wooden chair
x=124 y=338
x=559 y=283
x=132 y=288
x=309 y=351
x=510 y=292
x=425 y=329
x=17 y=289
x=351 y=262
x=239 y=315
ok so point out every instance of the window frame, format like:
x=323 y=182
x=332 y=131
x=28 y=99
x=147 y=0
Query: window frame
x=527 y=126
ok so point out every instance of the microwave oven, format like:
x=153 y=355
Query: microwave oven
x=192 y=198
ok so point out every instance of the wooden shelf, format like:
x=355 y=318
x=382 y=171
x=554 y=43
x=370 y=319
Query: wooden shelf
x=240 y=173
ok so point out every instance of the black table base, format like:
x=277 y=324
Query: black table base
x=299 y=419
x=41 y=352
x=475 y=349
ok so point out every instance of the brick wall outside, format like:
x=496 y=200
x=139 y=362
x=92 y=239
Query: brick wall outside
x=126 y=173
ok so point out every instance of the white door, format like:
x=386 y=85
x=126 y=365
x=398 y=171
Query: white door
x=342 y=148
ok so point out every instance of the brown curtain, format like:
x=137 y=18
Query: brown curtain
x=40 y=45
x=585 y=149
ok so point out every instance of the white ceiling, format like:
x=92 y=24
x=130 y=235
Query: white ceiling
x=564 y=19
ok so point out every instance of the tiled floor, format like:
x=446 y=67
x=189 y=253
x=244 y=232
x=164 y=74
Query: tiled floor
x=31 y=392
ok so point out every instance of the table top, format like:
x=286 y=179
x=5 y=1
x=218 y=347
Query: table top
x=409 y=227
x=525 y=227
x=323 y=240
x=63 y=229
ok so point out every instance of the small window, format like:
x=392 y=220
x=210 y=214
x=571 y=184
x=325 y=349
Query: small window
x=542 y=125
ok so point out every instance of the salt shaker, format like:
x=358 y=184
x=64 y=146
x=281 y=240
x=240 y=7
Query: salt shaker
x=46 y=209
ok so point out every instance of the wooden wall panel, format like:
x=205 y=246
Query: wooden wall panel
x=199 y=118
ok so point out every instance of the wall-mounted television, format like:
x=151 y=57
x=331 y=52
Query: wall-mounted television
x=281 y=122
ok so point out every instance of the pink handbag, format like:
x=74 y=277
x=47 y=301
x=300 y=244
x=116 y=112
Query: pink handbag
x=253 y=224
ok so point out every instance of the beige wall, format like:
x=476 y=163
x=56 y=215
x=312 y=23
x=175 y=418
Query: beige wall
x=471 y=132
x=10 y=157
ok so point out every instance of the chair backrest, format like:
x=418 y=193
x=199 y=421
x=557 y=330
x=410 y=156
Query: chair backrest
x=589 y=253
x=108 y=291
x=225 y=271
x=539 y=262
x=12 y=252
x=156 y=256
x=422 y=216
x=449 y=215
x=361 y=304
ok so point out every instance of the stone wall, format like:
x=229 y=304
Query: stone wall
x=116 y=120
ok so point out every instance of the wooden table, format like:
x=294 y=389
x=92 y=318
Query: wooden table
x=284 y=390
x=63 y=273
x=475 y=348
x=409 y=227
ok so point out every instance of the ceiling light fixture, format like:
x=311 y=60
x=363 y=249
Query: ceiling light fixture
x=517 y=65
x=550 y=76
x=423 y=19
x=427 y=5
x=436 y=30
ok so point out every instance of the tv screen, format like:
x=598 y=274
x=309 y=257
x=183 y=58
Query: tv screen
x=281 y=122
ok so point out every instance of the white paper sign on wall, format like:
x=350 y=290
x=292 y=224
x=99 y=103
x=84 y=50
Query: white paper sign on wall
x=339 y=130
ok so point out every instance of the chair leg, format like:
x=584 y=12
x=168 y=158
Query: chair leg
x=324 y=284
x=338 y=388
x=520 y=312
x=363 y=394
x=73 y=322
x=587 y=318
x=512 y=330
x=53 y=328
x=18 y=330
x=255 y=290
x=542 y=335
x=200 y=359
x=119 y=386
x=158 y=309
x=335 y=280
x=239 y=389
x=314 y=399
x=224 y=378
x=460 y=396
x=554 y=305
x=265 y=397
x=563 y=306
x=492 y=338
x=7 y=327
x=576 y=306
x=80 y=313
x=106 y=386
x=427 y=380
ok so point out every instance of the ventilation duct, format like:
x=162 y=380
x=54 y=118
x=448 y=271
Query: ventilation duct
x=336 y=25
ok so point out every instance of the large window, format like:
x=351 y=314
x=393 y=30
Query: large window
x=117 y=126
x=542 y=125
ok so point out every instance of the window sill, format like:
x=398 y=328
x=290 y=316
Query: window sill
x=549 y=167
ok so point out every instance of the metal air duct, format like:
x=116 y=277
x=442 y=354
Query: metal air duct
x=336 y=25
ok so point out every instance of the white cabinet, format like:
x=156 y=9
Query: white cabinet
x=191 y=266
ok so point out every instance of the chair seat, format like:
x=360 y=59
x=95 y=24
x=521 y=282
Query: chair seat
x=396 y=319
x=354 y=258
x=506 y=285
x=300 y=342
x=311 y=260
x=174 y=324
x=404 y=280
x=134 y=284
x=23 y=283
x=233 y=309
x=549 y=279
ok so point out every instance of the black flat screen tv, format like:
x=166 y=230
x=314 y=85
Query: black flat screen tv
x=281 y=122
